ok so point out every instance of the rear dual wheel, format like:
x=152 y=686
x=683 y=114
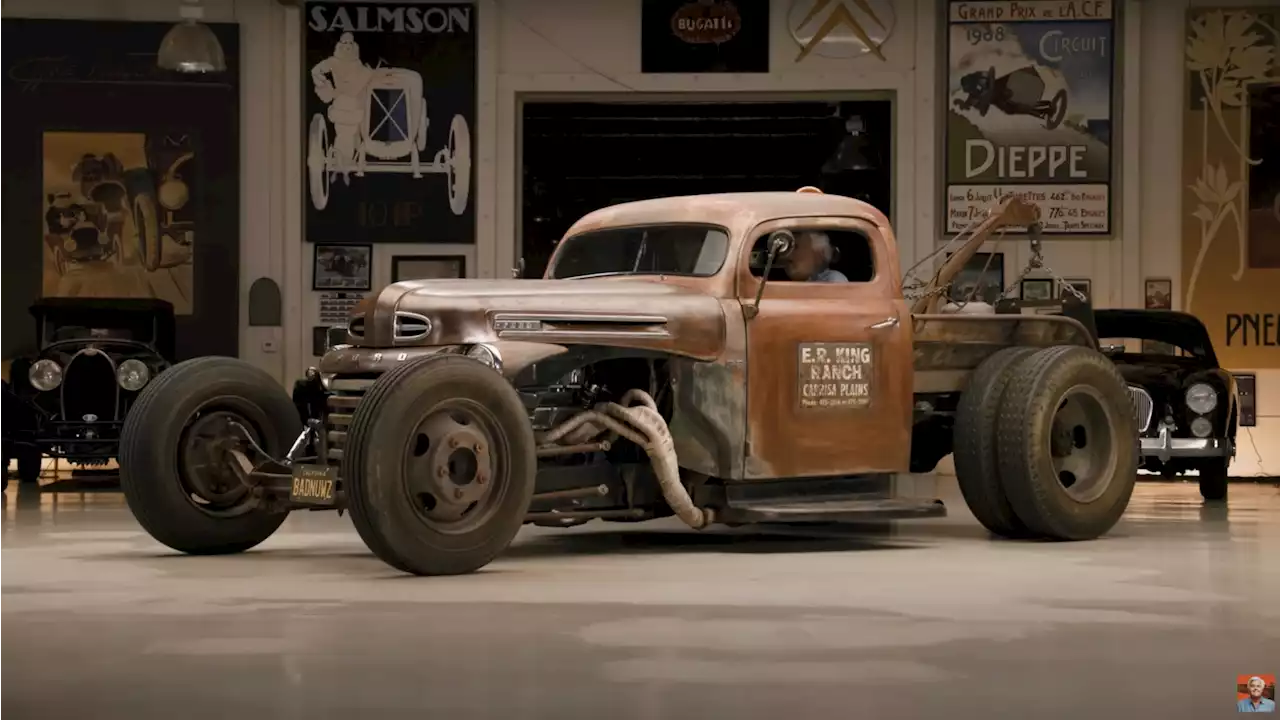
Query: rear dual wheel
x=1046 y=444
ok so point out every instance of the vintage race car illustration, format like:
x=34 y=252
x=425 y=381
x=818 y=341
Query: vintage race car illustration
x=377 y=122
x=663 y=367
x=159 y=199
x=79 y=232
x=1020 y=92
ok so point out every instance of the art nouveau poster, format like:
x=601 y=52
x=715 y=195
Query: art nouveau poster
x=1231 y=182
x=1030 y=111
x=389 y=113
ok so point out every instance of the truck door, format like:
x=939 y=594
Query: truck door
x=829 y=364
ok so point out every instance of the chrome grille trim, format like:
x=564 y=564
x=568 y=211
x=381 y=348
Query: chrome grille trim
x=411 y=326
x=1143 y=407
x=345 y=395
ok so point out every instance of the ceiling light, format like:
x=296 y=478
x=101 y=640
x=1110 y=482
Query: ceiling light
x=190 y=46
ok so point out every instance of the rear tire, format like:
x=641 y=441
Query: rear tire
x=976 y=458
x=154 y=476
x=1213 y=479
x=392 y=506
x=1033 y=438
x=30 y=462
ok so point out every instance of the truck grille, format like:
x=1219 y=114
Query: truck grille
x=1142 y=406
x=344 y=396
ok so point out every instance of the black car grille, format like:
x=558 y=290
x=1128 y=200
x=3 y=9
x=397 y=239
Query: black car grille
x=89 y=387
x=344 y=395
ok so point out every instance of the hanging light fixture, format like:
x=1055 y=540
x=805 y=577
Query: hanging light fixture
x=190 y=46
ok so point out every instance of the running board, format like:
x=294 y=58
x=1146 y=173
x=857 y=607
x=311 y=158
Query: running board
x=834 y=511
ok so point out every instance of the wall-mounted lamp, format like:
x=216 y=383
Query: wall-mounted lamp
x=190 y=46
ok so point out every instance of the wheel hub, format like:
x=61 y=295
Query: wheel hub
x=451 y=466
x=1084 y=457
x=206 y=468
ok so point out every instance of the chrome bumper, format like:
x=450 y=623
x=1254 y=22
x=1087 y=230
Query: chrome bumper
x=1166 y=446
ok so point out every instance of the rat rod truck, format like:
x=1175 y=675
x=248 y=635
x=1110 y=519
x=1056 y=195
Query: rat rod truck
x=662 y=366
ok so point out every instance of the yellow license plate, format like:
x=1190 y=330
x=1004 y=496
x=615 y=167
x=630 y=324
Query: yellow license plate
x=314 y=484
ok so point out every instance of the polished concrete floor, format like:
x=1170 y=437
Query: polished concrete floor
x=924 y=619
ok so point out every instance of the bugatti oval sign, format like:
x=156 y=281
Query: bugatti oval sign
x=706 y=21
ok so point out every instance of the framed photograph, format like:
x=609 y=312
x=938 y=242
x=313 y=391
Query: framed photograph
x=342 y=267
x=984 y=273
x=1159 y=293
x=428 y=267
x=1084 y=286
x=1037 y=289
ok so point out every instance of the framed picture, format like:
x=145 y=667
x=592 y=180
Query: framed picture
x=1084 y=286
x=1037 y=289
x=428 y=267
x=1159 y=293
x=1247 y=387
x=982 y=276
x=342 y=267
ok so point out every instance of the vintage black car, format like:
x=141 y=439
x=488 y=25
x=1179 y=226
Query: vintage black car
x=1186 y=402
x=69 y=400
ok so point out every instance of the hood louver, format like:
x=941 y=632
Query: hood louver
x=411 y=326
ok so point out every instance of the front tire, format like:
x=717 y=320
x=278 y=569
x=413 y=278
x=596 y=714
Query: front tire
x=412 y=504
x=976 y=458
x=1068 y=443
x=30 y=463
x=1213 y=479
x=182 y=497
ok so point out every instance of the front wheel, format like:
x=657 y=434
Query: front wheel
x=30 y=465
x=439 y=466
x=174 y=469
x=1213 y=479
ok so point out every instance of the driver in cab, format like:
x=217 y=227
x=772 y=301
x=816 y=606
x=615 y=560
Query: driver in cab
x=810 y=259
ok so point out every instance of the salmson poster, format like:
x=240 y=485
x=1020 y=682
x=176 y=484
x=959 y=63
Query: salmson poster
x=1030 y=111
x=389 y=114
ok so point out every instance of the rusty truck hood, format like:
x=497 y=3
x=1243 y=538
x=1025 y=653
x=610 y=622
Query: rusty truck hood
x=635 y=313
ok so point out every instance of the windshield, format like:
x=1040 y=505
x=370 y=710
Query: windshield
x=1147 y=347
x=696 y=250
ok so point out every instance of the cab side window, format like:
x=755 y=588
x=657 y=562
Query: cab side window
x=819 y=256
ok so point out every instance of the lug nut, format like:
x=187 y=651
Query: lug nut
x=458 y=493
x=441 y=472
x=482 y=479
x=453 y=443
x=476 y=447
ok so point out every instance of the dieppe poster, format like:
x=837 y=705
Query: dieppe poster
x=1030 y=110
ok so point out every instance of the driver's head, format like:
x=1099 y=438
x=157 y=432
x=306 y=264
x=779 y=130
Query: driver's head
x=810 y=256
x=1256 y=686
x=347 y=49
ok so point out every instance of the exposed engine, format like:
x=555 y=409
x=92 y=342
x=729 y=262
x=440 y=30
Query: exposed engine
x=579 y=415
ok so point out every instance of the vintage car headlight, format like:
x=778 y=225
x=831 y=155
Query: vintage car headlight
x=487 y=355
x=45 y=375
x=133 y=375
x=1202 y=398
x=1201 y=427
